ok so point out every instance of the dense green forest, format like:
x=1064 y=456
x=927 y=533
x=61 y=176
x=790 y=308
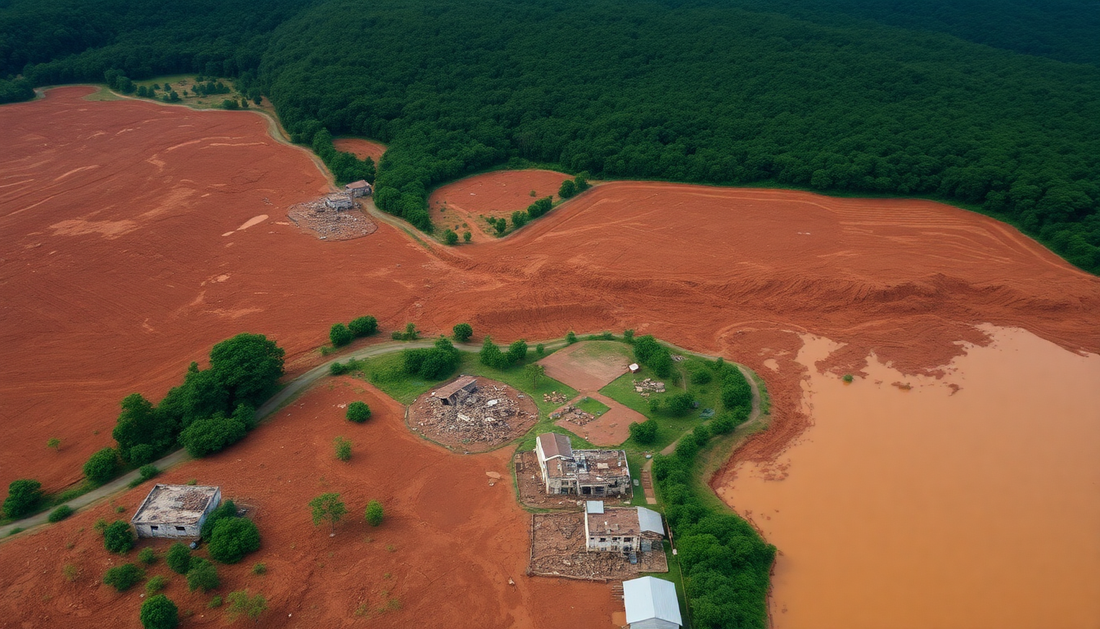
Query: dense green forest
x=993 y=104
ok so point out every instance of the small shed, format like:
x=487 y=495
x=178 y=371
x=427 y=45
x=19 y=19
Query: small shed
x=651 y=604
x=453 y=393
x=339 y=201
x=358 y=188
x=634 y=368
x=175 y=510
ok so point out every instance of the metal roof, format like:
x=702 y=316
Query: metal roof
x=553 y=445
x=648 y=598
x=450 y=389
x=650 y=520
x=594 y=506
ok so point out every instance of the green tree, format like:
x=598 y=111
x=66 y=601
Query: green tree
x=517 y=351
x=358 y=412
x=374 y=513
x=139 y=424
x=102 y=466
x=242 y=604
x=60 y=513
x=232 y=539
x=209 y=436
x=535 y=373
x=147 y=556
x=570 y=337
x=202 y=574
x=340 y=335
x=24 y=496
x=568 y=188
x=491 y=356
x=343 y=448
x=249 y=367
x=462 y=332
x=159 y=612
x=223 y=511
x=123 y=577
x=363 y=326
x=645 y=432
x=450 y=237
x=178 y=558
x=327 y=507
x=466 y=236
x=119 y=537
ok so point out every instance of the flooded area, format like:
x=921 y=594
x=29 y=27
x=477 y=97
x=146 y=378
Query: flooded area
x=969 y=501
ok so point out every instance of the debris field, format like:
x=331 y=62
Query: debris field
x=558 y=550
x=487 y=418
x=329 y=224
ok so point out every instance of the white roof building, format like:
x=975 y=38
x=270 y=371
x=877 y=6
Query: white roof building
x=175 y=510
x=651 y=604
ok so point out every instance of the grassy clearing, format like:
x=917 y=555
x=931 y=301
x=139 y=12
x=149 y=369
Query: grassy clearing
x=592 y=407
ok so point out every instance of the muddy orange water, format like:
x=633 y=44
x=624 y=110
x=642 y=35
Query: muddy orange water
x=969 y=501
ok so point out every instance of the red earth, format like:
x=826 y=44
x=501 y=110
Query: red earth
x=121 y=262
x=461 y=204
x=361 y=148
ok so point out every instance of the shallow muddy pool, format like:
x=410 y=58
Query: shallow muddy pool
x=965 y=502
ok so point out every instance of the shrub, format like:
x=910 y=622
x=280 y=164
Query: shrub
x=119 y=537
x=343 y=448
x=567 y=189
x=723 y=424
x=60 y=513
x=123 y=577
x=358 y=412
x=233 y=538
x=338 y=369
x=540 y=349
x=155 y=584
x=226 y=510
x=241 y=604
x=215 y=602
x=462 y=332
x=466 y=236
x=159 y=612
x=145 y=472
x=645 y=432
x=520 y=218
x=340 y=335
x=654 y=404
x=202 y=574
x=570 y=337
x=147 y=556
x=363 y=326
x=209 y=436
x=700 y=377
x=23 y=498
x=374 y=513
x=178 y=558
x=259 y=569
x=628 y=336
x=102 y=466
x=517 y=351
x=681 y=404
x=580 y=182
x=848 y=378
x=450 y=237
x=491 y=356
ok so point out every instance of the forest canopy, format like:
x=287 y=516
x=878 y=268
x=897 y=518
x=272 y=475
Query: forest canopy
x=994 y=105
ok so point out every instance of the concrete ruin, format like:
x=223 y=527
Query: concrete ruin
x=581 y=472
x=452 y=394
x=175 y=510
x=626 y=530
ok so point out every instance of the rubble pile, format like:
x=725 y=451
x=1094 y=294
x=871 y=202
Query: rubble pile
x=573 y=414
x=557 y=549
x=554 y=397
x=647 y=386
x=329 y=224
x=484 y=416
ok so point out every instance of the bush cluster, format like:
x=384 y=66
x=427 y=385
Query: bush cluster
x=491 y=356
x=644 y=433
x=573 y=187
x=432 y=363
x=179 y=558
x=648 y=352
x=123 y=577
x=119 y=537
x=202 y=574
x=358 y=412
x=24 y=496
x=462 y=332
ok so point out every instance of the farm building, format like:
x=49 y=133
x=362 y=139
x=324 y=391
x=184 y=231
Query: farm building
x=453 y=393
x=632 y=529
x=651 y=604
x=339 y=201
x=358 y=188
x=175 y=510
x=581 y=472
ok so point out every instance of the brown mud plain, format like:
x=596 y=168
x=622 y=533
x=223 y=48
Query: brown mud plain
x=124 y=257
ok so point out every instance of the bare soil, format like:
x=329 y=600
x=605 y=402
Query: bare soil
x=588 y=367
x=557 y=550
x=609 y=429
x=461 y=205
x=316 y=218
x=481 y=427
x=361 y=148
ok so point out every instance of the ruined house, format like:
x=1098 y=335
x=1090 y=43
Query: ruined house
x=339 y=201
x=358 y=188
x=651 y=604
x=581 y=472
x=633 y=529
x=175 y=510
x=453 y=393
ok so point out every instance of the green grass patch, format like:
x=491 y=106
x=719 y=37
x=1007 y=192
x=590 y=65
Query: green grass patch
x=102 y=93
x=592 y=407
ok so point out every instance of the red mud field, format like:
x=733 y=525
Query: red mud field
x=121 y=261
x=459 y=205
x=360 y=148
x=445 y=552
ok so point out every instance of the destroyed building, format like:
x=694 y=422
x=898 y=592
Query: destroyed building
x=175 y=510
x=632 y=529
x=358 y=188
x=581 y=472
x=455 y=392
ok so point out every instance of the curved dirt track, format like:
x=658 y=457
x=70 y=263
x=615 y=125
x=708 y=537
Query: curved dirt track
x=121 y=261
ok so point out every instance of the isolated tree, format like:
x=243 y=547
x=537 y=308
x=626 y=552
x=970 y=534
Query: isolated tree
x=328 y=507
x=363 y=326
x=358 y=412
x=570 y=337
x=23 y=498
x=450 y=237
x=242 y=604
x=249 y=366
x=462 y=332
x=178 y=558
x=202 y=574
x=159 y=612
x=123 y=577
x=568 y=188
x=119 y=537
x=340 y=335
x=534 y=372
x=102 y=466
x=466 y=236
x=343 y=448
x=374 y=513
x=645 y=432
x=232 y=539
x=517 y=351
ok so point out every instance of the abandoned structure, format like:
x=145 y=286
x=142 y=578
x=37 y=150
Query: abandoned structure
x=633 y=529
x=581 y=472
x=175 y=510
x=339 y=201
x=358 y=188
x=651 y=604
x=453 y=393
